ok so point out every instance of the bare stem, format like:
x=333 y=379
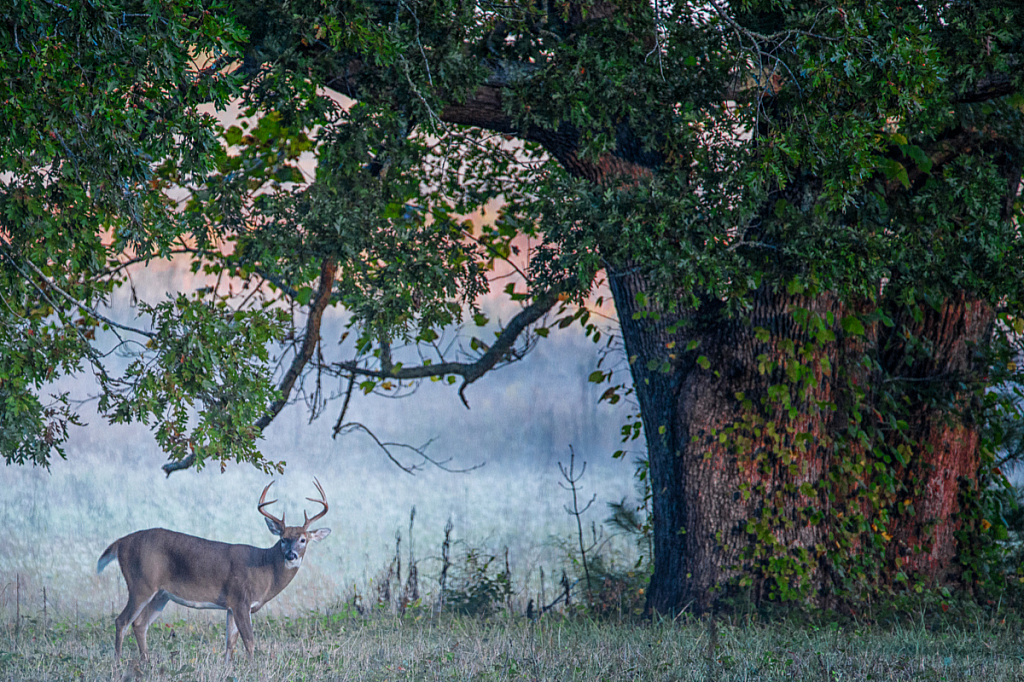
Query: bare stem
x=571 y=478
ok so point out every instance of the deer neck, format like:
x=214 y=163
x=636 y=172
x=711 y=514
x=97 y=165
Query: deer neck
x=280 y=573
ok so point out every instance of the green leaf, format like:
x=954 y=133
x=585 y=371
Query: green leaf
x=922 y=160
x=896 y=170
x=852 y=325
x=233 y=135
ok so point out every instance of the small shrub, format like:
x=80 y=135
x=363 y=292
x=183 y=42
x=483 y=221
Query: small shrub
x=616 y=593
x=475 y=588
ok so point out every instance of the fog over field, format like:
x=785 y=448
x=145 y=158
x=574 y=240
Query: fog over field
x=522 y=420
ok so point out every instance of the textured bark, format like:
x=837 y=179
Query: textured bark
x=647 y=339
x=946 y=459
x=755 y=475
x=707 y=489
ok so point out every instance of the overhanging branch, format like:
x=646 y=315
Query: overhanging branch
x=328 y=270
x=469 y=371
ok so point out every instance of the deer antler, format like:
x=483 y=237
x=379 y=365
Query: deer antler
x=262 y=504
x=322 y=500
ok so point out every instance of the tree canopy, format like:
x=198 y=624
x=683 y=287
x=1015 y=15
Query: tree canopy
x=807 y=212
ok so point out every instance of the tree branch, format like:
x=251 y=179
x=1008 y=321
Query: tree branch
x=988 y=88
x=421 y=451
x=177 y=465
x=469 y=371
x=328 y=269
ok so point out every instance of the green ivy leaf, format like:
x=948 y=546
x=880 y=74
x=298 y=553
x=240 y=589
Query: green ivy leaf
x=852 y=325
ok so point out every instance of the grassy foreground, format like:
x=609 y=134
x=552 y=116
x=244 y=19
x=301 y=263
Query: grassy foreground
x=454 y=648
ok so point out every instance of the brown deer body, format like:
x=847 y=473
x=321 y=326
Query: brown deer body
x=161 y=565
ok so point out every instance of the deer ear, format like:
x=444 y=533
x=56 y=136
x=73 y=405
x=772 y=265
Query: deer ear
x=274 y=528
x=319 y=534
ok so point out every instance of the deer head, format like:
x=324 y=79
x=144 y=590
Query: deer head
x=294 y=539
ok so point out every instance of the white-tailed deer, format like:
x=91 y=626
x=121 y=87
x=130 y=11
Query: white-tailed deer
x=160 y=565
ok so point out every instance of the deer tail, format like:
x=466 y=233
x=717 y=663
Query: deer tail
x=109 y=554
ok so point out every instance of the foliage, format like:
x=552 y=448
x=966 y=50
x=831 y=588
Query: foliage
x=615 y=592
x=94 y=96
x=210 y=357
x=476 y=588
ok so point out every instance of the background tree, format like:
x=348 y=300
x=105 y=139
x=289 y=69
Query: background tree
x=807 y=213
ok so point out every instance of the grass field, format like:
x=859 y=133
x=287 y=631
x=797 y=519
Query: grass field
x=383 y=647
x=56 y=614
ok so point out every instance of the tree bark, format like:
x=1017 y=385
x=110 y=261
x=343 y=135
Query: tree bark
x=647 y=340
x=945 y=457
x=754 y=494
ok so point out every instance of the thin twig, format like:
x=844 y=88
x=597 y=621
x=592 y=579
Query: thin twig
x=344 y=406
x=69 y=298
x=421 y=451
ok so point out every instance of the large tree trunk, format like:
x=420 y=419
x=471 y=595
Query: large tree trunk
x=647 y=340
x=755 y=484
x=945 y=460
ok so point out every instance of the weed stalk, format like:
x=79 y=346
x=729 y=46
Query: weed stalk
x=571 y=479
x=446 y=561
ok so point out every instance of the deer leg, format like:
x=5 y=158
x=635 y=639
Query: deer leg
x=131 y=611
x=244 y=624
x=230 y=635
x=150 y=613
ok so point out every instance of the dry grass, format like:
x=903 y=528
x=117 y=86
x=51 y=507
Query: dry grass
x=382 y=647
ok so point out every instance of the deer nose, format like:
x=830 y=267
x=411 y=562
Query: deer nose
x=291 y=556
